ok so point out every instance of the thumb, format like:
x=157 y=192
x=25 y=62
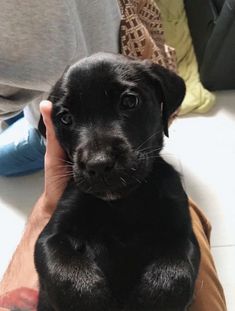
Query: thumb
x=53 y=147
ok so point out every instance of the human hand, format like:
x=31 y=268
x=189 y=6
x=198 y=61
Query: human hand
x=57 y=167
x=21 y=273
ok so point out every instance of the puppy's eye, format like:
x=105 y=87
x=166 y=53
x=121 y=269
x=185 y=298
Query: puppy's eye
x=66 y=118
x=129 y=101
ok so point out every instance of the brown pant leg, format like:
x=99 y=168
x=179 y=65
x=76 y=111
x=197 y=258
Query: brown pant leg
x=209 y=295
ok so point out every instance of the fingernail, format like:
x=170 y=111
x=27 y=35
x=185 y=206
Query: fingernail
x=45 y=102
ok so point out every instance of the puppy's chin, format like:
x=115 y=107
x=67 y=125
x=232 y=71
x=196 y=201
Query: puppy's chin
x=115 y=195
x=107 y=194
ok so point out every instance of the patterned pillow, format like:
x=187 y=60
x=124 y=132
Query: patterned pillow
x=142 y=34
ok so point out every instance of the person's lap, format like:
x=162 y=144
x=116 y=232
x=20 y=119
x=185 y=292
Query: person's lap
x=22 y=149
x=209 y=293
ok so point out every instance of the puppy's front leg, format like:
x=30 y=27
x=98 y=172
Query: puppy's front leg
x=168 y=283
x=69 y=278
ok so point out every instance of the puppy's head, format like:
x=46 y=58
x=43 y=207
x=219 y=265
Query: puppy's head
x=110 y=113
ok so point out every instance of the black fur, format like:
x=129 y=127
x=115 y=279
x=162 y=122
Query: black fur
x=121 y=237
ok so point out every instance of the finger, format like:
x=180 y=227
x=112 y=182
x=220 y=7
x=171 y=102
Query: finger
x=53 y=147
x=46 y=109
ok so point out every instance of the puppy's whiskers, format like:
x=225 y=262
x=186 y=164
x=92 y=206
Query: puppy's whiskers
x=66 y=168
x=123 y=181
x=152 y=151
x=63 y=160
x=68 y=174
x=57 y=183
x=139 y=181
x=146 y=156
x=135 y=178
x=80 y=182
x=150 y=148
x=89 y=189
x=137 y=149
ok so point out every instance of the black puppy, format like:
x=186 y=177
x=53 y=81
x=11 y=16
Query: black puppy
x=121 y=237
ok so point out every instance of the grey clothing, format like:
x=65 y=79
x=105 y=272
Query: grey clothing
x=38 y=39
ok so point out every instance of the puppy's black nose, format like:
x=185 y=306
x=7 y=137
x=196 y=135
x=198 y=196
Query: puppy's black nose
x=100 y=165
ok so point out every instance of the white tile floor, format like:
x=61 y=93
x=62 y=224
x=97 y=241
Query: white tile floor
x=202 y=148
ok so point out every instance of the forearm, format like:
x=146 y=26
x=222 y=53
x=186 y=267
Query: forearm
x=21 y=271
x=18 y=289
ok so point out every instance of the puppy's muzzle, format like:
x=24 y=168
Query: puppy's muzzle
x=107 y=165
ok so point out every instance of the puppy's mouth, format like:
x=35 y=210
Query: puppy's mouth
x=115 y=194
x=117 y=182
x=110 y=188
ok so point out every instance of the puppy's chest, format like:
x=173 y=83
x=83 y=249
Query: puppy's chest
x=121 y=249
x=124 y=238
x=126 y=263
x=122 y=258
x=119 y=242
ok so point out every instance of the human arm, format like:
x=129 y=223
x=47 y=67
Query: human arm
x=21 y=271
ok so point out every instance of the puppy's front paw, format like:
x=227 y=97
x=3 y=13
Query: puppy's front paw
x=166 y=286
x=69 y=278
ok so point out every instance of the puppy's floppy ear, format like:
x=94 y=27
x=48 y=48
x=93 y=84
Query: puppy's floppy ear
x=172 y=89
